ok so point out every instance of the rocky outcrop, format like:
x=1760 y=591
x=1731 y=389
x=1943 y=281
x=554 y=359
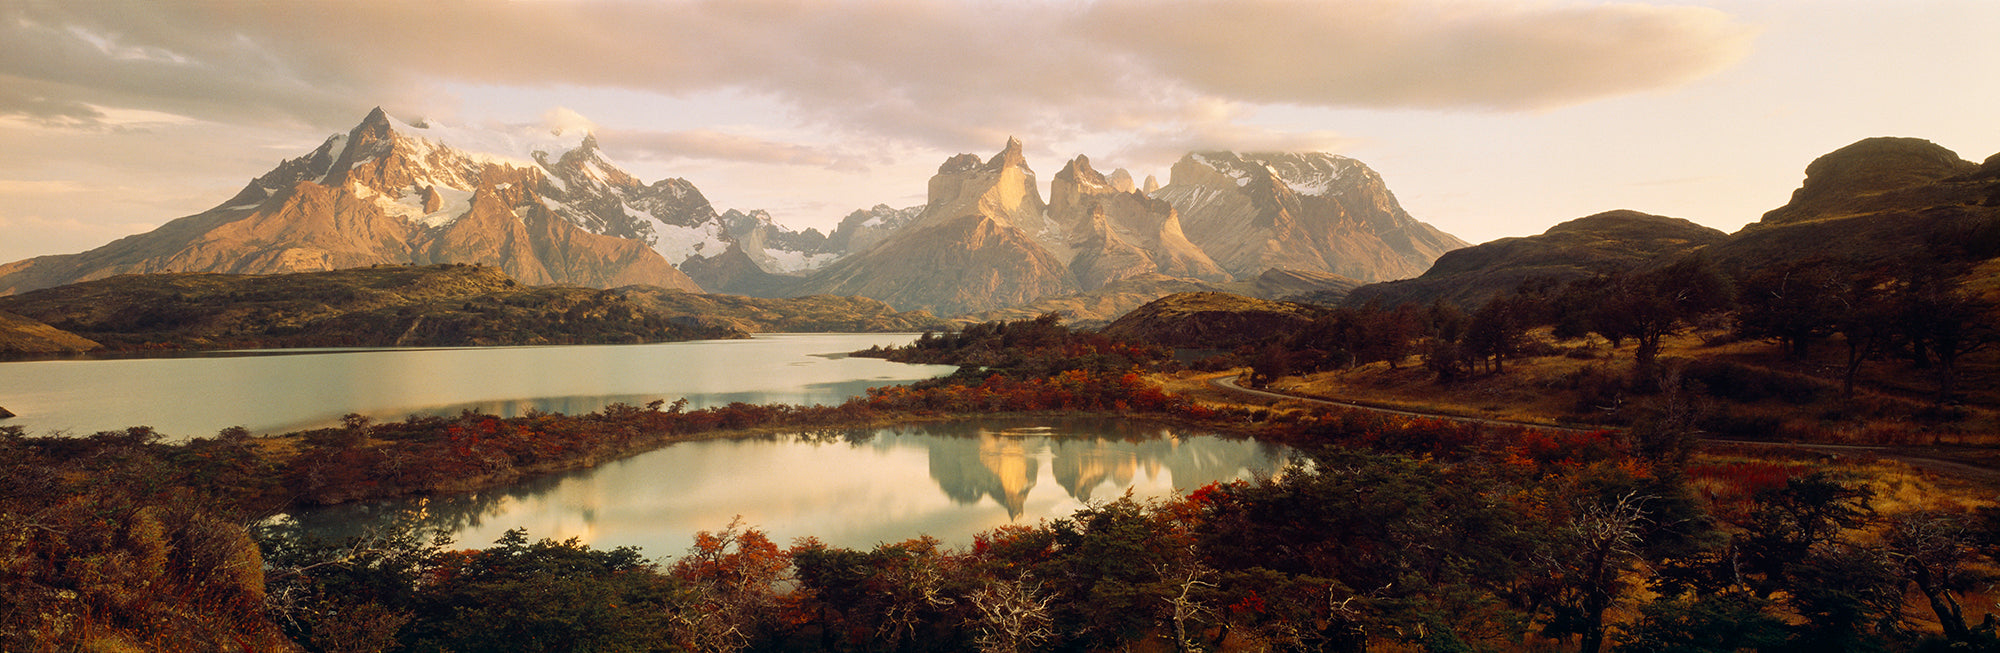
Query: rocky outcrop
x=1878 y=200
x=949 y=267
x=1872 y=175
x=1315 y=212
x=732 y=272
x=981 y=242
x=774 y=248
x=863 y=229
x=1118 y=233
x=1003 y=187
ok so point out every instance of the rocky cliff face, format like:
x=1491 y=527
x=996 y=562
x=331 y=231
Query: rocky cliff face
x=863 y=229
x=1003 y=187
x=982 y=241
x=1315 y=212
x=949 y=266
x=393 y=193
x=1117 y=233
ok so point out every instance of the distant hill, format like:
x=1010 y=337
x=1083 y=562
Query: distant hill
x=809 y=314
x=1580 y=248
x=20 y=336
x=440 y=305
x=437 y=305
x=1099 y=307
x=1878 y=200
x=1210 y=320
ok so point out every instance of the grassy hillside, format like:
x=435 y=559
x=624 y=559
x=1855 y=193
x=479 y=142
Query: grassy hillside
x=22 y=336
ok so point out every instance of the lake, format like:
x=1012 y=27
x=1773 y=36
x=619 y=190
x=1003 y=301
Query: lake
x=272 y=391
x=851 y=488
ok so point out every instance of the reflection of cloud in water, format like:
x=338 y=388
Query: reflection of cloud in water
x=850 y=487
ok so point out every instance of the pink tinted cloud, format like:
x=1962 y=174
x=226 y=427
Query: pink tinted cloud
x=943 y=73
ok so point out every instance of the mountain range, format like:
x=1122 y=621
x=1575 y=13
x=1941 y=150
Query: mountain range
x=548 y=208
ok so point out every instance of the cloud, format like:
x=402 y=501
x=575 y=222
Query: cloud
x=563 y=120
x=719 y=146
x=944 y=73
x=1165 y=145
x=1419 y=54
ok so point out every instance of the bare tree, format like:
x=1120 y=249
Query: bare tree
x=1937 y=550
x=1183 y=608
x=1012 y=616
x=1591 y=556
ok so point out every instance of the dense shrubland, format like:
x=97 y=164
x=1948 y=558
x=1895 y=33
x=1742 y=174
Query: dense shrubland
x=1039 y=347
x=1403 y=532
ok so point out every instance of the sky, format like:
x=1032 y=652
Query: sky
x=1486 y=118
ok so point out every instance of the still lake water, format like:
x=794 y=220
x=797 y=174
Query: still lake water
x=274 y=391
x=854 y=489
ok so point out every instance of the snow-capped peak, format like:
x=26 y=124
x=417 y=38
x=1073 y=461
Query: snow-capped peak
x=514 y=145
x=1310 y=173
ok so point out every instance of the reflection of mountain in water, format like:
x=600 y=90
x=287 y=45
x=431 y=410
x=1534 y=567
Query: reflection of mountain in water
x=969 y=462
x=971 y=468
x=975 y=461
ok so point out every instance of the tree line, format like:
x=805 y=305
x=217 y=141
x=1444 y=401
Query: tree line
x=1915 y=311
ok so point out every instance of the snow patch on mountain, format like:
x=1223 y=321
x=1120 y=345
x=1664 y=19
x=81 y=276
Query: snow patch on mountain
x=676 y=243
x=791 y=262
x=337 y=145
x=515 y=146
x=1235 y=172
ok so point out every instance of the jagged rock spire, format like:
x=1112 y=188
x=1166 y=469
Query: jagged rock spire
x=1009 y=157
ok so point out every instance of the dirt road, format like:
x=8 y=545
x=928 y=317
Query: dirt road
x=1984 y=476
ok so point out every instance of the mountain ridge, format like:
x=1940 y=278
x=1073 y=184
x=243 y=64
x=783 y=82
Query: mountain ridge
x=385 y=193
x=548 y=208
